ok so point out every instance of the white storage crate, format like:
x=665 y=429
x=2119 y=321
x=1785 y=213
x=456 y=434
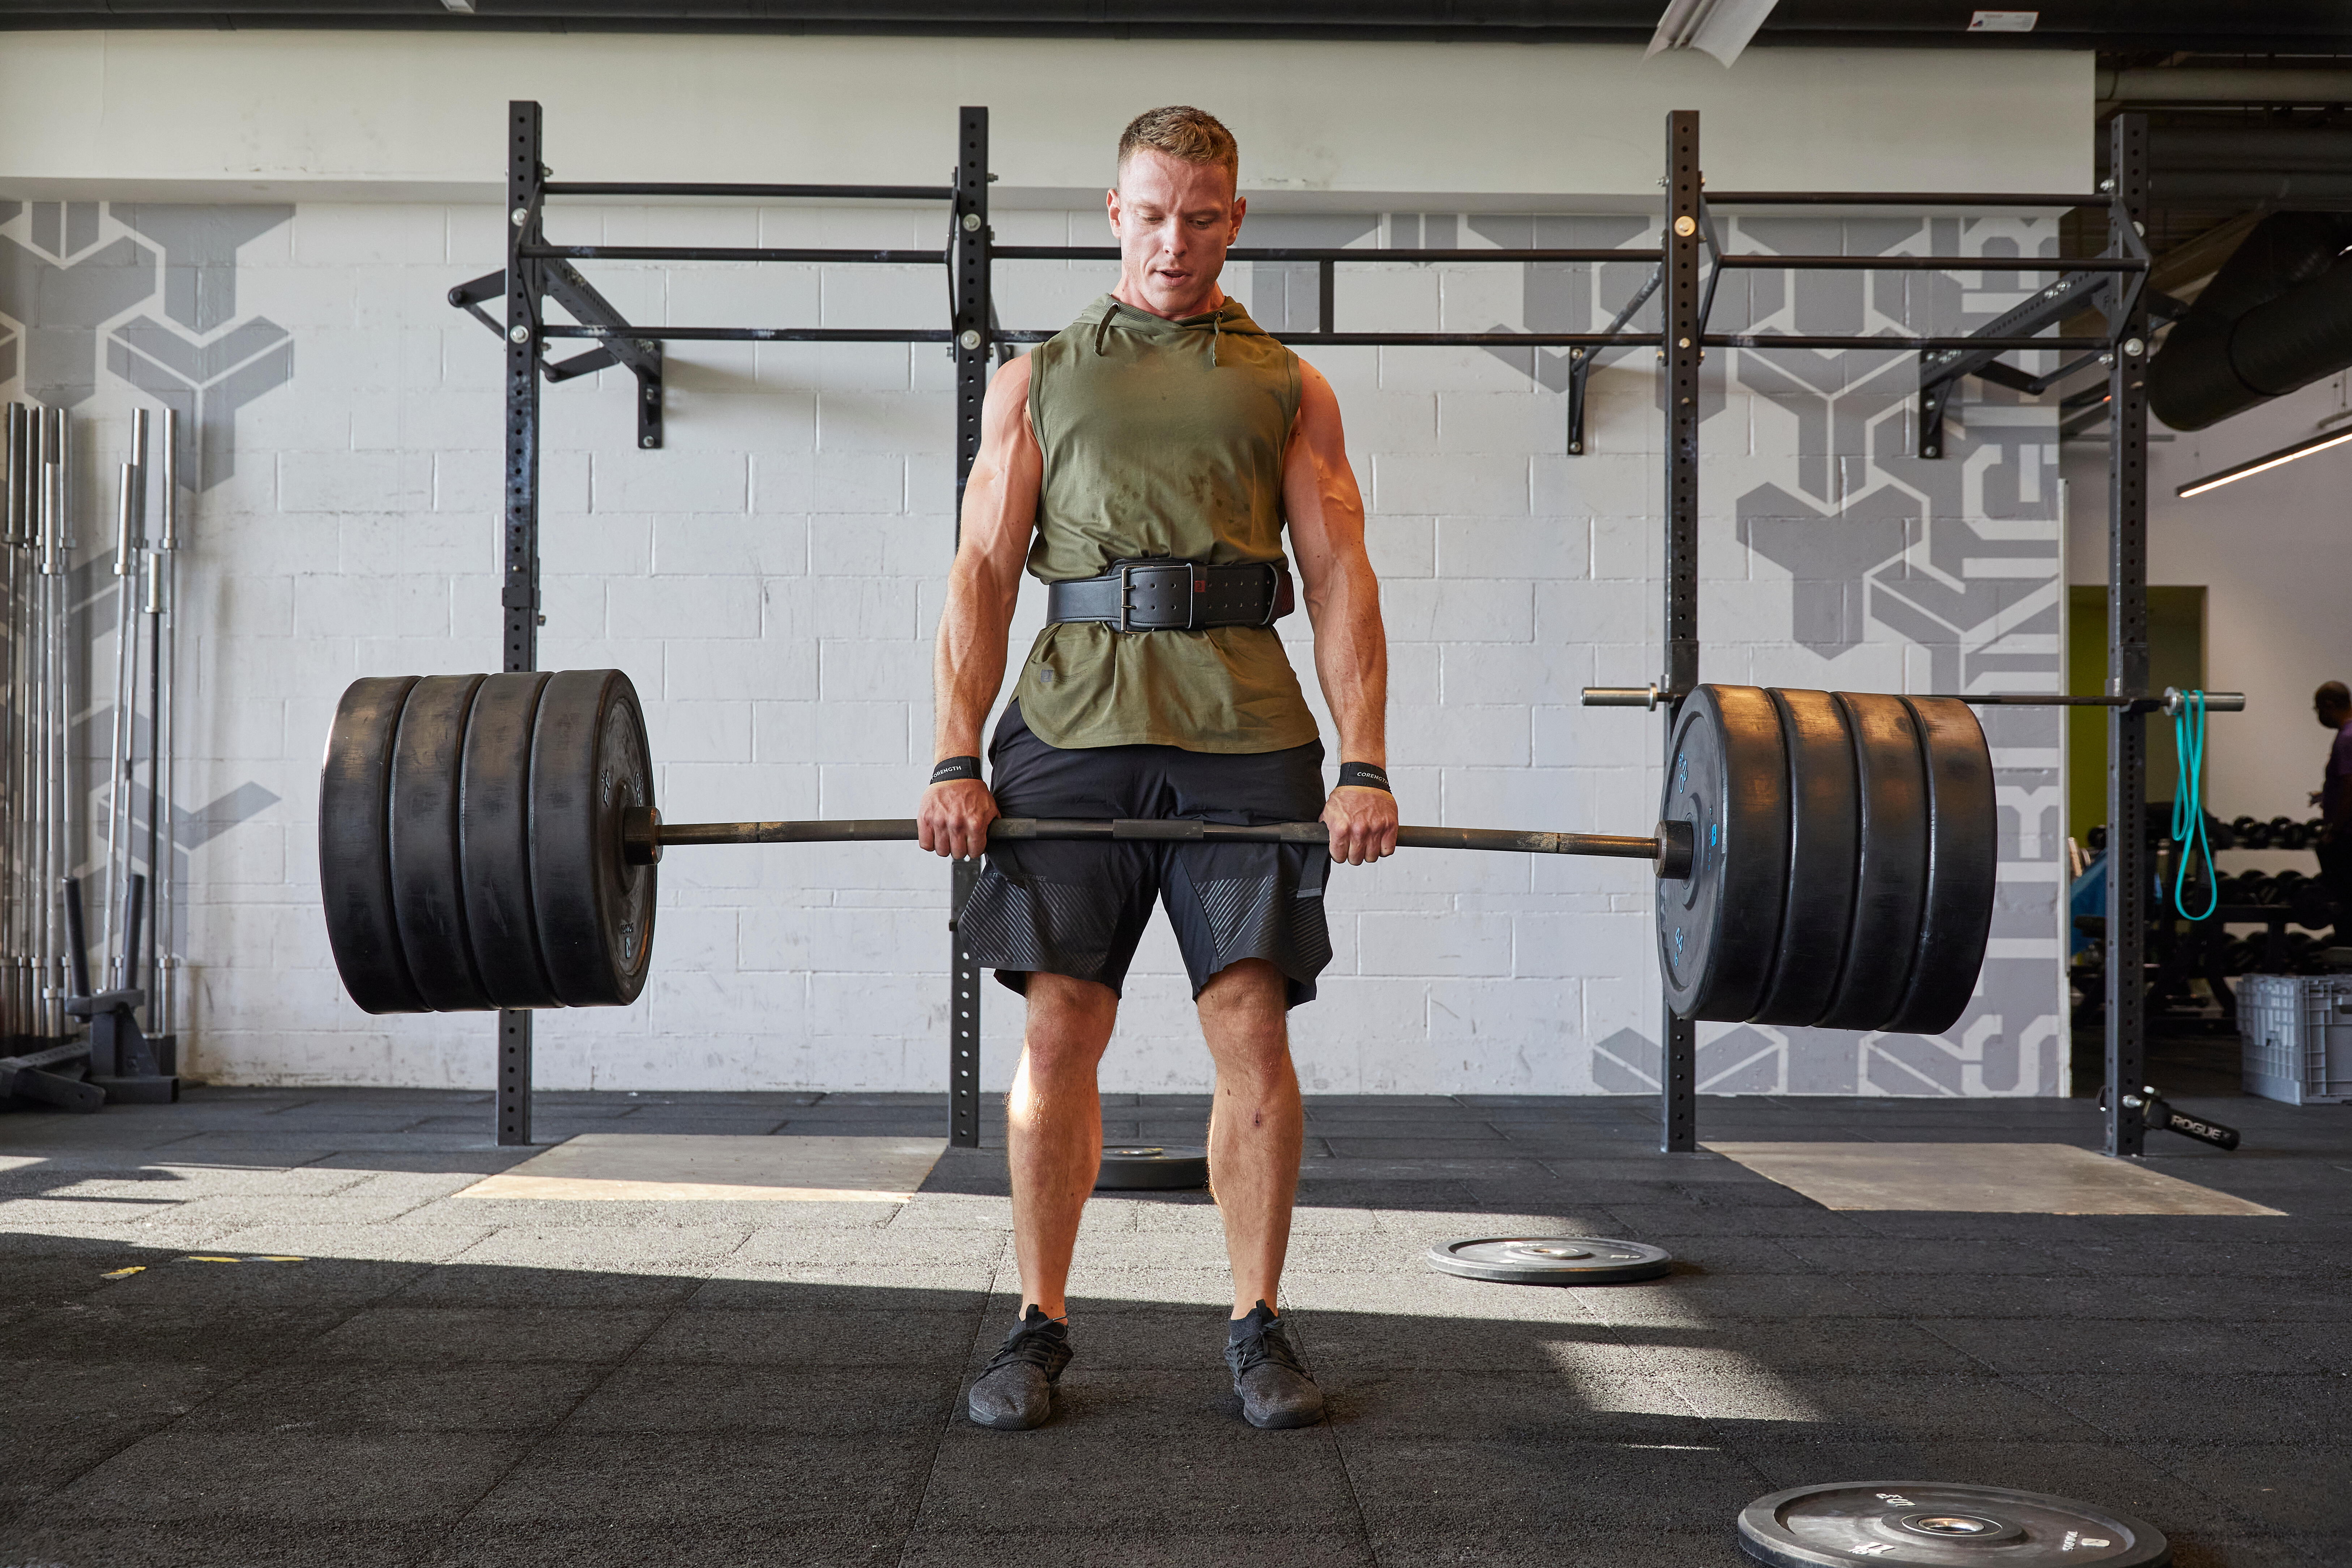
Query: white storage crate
x=2297 y=1031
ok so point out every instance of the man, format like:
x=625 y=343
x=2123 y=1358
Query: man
x=1144 y=462
x=2332 y=703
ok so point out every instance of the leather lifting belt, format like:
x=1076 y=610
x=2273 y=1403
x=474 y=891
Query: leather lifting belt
x=1155 y=594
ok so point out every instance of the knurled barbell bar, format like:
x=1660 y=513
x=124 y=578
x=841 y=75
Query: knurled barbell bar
x=492 y=841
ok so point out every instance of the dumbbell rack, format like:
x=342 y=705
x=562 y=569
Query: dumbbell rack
x=536 y=271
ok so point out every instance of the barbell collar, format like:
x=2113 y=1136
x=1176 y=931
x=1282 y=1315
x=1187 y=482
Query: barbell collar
x=645 y=836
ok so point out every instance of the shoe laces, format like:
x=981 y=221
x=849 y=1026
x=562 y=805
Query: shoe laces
x=1034 y=1344
x=1272 y=1346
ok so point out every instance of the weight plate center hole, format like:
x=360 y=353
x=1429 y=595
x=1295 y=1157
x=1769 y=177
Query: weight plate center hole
x=1957 y=1527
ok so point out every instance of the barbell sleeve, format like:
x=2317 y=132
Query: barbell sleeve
x=645 y=835
x=1622 y=696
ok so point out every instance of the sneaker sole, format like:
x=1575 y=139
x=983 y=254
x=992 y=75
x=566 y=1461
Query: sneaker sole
x=1282 y=1423
x=1013 y=1423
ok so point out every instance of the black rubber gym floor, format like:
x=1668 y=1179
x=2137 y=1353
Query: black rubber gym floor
x=441 y=1380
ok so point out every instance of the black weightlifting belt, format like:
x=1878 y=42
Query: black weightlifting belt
x=1157 y=594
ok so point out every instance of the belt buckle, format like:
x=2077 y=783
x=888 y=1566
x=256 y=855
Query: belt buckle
x=1127 y=571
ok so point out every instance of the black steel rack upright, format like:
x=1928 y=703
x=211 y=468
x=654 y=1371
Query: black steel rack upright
x=536 y=271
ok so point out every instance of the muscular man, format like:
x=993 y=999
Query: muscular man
x=2332 y=705
x=1145 y=462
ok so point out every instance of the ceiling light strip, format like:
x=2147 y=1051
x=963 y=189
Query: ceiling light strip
x=2268 y=460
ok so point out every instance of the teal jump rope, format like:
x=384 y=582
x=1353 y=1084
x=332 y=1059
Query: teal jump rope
x=2188 y=805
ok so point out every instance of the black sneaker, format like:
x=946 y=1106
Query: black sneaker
x=1015 y=1391
x=1276 y=1388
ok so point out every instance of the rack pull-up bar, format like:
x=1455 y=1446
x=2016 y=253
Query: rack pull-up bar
x=1756 y=258
x=1334 y=253
x=1887 y=340
x=735 y=253
x=2173 y=701
x=763 y=193
x=1902 y=199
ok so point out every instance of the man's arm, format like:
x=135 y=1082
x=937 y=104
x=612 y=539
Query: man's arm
x=999 y=509
x=1326 y=513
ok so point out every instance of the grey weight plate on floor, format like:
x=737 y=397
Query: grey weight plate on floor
x=494 y=842
x=1963 y=860
x=354 y=860
x=1942 y=1524
x=590 y=764
x=1550 y=1259
x=1824 y=834
x=1151 y=1167
x=428 y=889
x=1720 y=926
x=1890 y=884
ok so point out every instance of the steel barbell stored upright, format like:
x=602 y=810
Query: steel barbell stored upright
x=493 y=841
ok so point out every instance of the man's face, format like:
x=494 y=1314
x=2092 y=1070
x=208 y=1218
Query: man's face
x=2332 y=715
x=1174 y=221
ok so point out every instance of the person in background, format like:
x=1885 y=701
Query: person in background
x=2333 y=705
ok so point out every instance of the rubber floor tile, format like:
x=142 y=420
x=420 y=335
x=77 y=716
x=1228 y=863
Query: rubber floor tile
x=442 y=1334
x=285 y=1471
x=494 y=1287
x=815 y=1403
x=219 y=1541
x=1116 y=1538
x=2142 y=1348
x=345 y=1398
x=731 y=1543
x=818 y=1337
x=1482 y=1494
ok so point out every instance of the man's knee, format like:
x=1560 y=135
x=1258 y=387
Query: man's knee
x=1243 y=1015
x=1069 y=1022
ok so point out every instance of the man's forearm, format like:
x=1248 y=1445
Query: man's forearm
x=968 y=666
x=1351 y=661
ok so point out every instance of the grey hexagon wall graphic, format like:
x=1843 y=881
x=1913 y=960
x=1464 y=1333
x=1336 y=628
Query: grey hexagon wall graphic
x=155 y=285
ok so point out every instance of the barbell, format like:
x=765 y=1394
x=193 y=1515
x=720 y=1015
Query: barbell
x=492 y=841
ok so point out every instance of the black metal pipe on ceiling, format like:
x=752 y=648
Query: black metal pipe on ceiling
x=2276 y=317
x=2290 y=26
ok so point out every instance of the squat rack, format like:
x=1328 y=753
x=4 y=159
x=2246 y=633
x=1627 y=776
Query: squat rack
x=537 y=272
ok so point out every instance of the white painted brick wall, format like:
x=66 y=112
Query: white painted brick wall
x=771 y=581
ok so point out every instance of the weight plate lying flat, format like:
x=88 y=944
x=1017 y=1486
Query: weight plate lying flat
x=494 y=842
x=1824 y=835
x=355 y=867
x=1939 y=1524
x=1549 y=1259
x=428 y=891
x=589 y=764
x=1891 y=885
x=1963 y=857
x=1151 y=1167
x=1720 y=926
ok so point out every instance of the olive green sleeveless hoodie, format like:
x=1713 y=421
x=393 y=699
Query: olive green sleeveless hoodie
x=1160 y=437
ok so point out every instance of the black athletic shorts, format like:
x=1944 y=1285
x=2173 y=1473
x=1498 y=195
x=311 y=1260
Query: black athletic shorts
x=1079 y=909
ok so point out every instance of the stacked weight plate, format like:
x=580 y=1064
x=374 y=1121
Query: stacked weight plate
x=1843 y=853
x=468 y=829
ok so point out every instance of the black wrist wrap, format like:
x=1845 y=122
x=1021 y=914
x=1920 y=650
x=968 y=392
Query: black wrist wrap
x=1364 y=775
x=949 y=769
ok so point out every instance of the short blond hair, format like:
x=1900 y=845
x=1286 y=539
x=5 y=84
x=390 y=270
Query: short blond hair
x=1187 y=135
